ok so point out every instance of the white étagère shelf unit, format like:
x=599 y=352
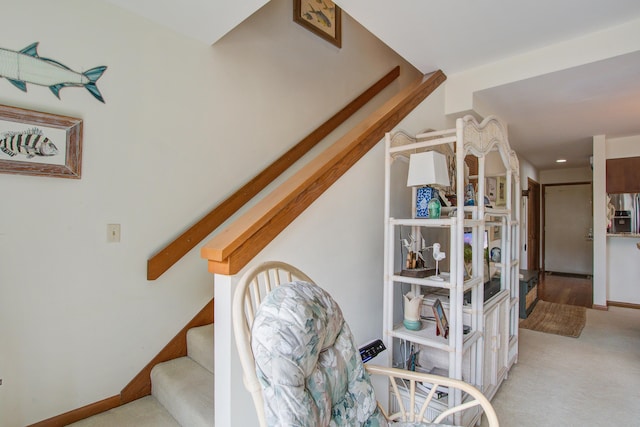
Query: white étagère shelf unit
x=479 y=296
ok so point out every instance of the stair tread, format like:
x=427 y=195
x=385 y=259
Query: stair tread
x=200 y=346
x=185 y=389
x=144 y=412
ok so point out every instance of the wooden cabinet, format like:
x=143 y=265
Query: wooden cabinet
x=623 y=175
x=528 y=292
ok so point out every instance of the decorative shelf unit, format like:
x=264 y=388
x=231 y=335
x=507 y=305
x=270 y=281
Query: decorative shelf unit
x=482 y=342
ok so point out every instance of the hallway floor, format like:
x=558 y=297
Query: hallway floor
x=564 y=289
x=587 y=381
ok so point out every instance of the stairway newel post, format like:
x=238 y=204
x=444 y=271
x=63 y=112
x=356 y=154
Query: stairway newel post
x=233 y=404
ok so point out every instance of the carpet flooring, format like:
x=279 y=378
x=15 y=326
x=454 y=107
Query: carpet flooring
x=145 y=412
x=593 y=380
x=553 y=318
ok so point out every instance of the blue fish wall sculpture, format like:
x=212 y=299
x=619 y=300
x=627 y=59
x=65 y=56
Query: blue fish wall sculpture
x=26 y=66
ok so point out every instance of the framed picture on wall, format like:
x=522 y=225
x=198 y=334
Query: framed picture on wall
x=42 y=144
x=323 y=19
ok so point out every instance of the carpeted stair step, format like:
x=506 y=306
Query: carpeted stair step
x=200 y=346
x=144 y=412
x=185 y=389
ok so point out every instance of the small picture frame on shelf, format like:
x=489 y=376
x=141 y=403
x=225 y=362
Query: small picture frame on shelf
x=491 y=187
x=497 y=233
x=501 y=191
x=442 y=324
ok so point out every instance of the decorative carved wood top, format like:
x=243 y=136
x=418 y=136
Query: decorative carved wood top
x=482 y=138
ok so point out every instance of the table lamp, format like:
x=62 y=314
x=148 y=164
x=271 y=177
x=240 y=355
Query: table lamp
x=426 y=169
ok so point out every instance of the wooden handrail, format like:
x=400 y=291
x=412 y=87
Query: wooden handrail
x=231 y=249
x=174 y=251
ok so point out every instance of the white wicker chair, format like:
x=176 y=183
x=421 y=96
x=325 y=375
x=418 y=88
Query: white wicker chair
x=261 y=279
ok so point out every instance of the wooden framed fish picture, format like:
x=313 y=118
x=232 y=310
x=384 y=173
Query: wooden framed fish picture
x=321 y=17
x=42 y=144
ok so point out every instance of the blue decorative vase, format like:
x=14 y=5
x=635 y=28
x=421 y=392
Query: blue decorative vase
x=423 y=196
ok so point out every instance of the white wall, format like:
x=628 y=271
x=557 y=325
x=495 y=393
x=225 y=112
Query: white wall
x=599 y=222
x=184 y=125
x=566 y=176
x=623 y=147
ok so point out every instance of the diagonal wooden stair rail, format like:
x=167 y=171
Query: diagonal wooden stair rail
x=231 y=249
x=174 y=251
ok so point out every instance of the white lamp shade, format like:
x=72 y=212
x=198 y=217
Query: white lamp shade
x=428 y=168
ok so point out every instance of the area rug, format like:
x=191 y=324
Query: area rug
x=559 y=319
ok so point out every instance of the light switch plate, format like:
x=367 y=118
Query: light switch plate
x=113 y=233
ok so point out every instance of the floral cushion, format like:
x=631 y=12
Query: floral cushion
x=409 y=424
x=306 y=360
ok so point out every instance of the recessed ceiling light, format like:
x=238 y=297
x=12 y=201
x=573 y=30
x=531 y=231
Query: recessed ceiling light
x=561 y=161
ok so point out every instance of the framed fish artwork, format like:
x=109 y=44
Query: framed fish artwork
x=321 y=17
x=42 y=144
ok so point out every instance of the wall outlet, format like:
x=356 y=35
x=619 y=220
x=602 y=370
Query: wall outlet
x=113 y=233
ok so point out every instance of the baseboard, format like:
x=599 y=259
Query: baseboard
x=575 y=275
x=600 y=307
x=80 y=413
x=623 y=304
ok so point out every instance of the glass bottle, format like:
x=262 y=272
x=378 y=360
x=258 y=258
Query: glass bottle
x=434 y=206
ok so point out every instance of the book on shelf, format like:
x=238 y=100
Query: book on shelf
x=441 y=391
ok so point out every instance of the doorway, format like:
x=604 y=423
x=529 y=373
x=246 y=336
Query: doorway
x=567 y=232
x=567 y=247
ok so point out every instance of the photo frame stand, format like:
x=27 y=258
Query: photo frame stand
x=442 y=324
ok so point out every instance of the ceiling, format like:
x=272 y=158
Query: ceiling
x=551 y=111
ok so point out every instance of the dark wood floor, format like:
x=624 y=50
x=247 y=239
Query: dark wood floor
x=566 y=290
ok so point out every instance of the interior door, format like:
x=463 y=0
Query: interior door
x=568 y=244
x=533 y=226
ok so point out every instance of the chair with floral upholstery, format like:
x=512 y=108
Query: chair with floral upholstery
x=302 y=366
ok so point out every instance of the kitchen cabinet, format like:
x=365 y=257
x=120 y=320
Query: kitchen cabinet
x=623 y=175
